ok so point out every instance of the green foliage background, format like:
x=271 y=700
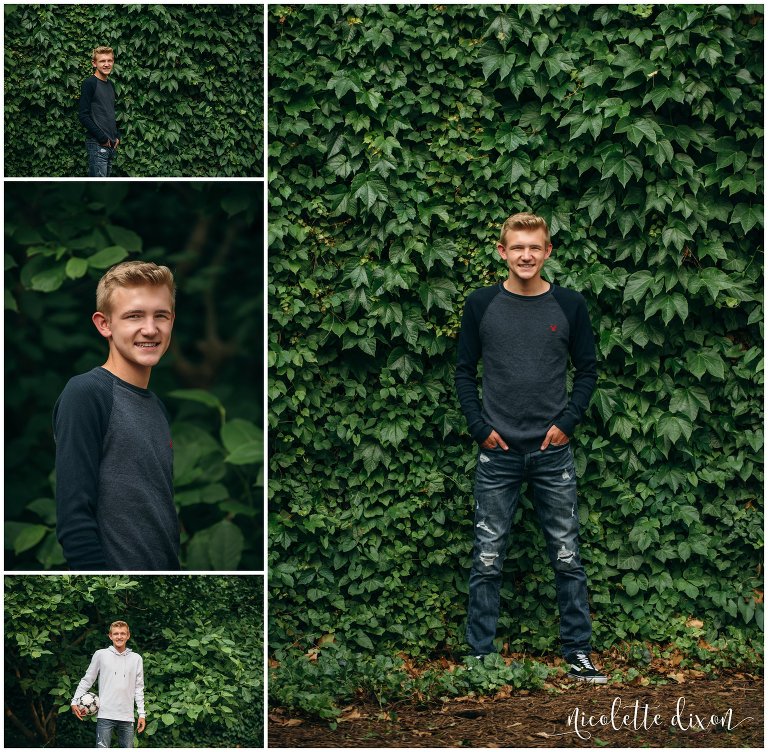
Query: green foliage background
x=188 y=78
x=59 y=239
x=200 y=639
x=401 y=137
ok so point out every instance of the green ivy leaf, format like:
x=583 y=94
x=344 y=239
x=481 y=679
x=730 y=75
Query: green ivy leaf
x=503 y=62
x=700 y=362
x=403 y=363
x=437 y=292
x=394 y=431
x=444 y=251
x=369 y=189
x=637 y=285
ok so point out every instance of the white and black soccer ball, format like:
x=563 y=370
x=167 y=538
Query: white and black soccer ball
x=89 y=702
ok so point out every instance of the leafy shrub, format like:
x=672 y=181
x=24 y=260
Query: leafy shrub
x=320 y=682
x=200 y=672
x=187 y=78
x=400 y=139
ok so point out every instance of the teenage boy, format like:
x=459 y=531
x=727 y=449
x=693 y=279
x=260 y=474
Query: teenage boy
x=120 y=672
x=114 y=456
x=525 y=329
x=97 y=114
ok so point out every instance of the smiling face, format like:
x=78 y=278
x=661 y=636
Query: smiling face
x=138 y=326
x=103 y=65
x=525 y=252
x=119 y=637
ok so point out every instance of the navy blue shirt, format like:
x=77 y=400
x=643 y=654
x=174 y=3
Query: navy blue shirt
x=97 y=109
x=114 y=476
x=525 y=342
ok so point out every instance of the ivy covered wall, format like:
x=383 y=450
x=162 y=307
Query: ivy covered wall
x=401 y=137
x=188 y=80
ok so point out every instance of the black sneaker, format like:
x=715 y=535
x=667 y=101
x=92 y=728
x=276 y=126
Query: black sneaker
x=581 y=668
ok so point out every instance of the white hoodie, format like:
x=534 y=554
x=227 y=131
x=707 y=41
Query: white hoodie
x=121 y=680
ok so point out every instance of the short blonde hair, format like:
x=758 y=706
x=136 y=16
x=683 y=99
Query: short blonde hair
x=524 y=221
x=133 y=274
x=102 y=51
x=116 y=624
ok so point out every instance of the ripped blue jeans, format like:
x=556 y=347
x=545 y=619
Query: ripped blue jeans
x=104 y=727
x=551 y=475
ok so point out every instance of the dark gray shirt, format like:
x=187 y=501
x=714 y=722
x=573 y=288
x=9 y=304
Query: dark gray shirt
x=114 y=476
x=525 y=343
x=97 y=109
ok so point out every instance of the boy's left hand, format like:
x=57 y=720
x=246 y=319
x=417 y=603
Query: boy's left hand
x=140 y=725
x=555 y=437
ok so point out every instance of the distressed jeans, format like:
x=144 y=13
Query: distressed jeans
x=100 y=159
x=551 y=475
x=104 y=728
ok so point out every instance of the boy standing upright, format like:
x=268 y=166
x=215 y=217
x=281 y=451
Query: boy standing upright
x=114 y=455
x=97 y=114
x=120 y=672
x=526 y=329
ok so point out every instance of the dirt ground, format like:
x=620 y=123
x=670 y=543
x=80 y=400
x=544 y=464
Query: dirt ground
x=727 y=712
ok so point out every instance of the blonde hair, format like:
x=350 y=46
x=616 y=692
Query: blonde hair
x=116 y=624
x=102 y=51
x=133 y=274
x=524 y=221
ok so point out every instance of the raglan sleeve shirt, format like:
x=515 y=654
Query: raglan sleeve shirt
x=519 y=333
x=581 y=347
x=80 y=418
x=87 y=93
x=470 y=350
x=96 y=110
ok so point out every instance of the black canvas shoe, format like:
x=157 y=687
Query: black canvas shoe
x=581 y=668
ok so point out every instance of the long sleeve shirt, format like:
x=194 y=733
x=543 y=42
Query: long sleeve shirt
x=121 y=683
x=114 y=476
x=97 y=109
x=525 y=343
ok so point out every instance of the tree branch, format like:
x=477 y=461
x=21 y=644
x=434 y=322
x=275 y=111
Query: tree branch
x=214 y=350
x=19 y=725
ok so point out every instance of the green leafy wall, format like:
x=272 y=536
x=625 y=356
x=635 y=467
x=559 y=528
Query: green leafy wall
x=188 y=78
x=401 y=137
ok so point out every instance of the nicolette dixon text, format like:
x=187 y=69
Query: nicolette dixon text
x=639 y=717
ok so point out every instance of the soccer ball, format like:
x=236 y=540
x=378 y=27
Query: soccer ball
x=89 y=702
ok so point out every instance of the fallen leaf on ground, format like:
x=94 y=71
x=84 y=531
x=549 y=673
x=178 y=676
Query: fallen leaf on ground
x=350 y=714
x=285 y=722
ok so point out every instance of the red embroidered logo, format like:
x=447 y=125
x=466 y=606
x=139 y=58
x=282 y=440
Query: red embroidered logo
x=553 y=327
